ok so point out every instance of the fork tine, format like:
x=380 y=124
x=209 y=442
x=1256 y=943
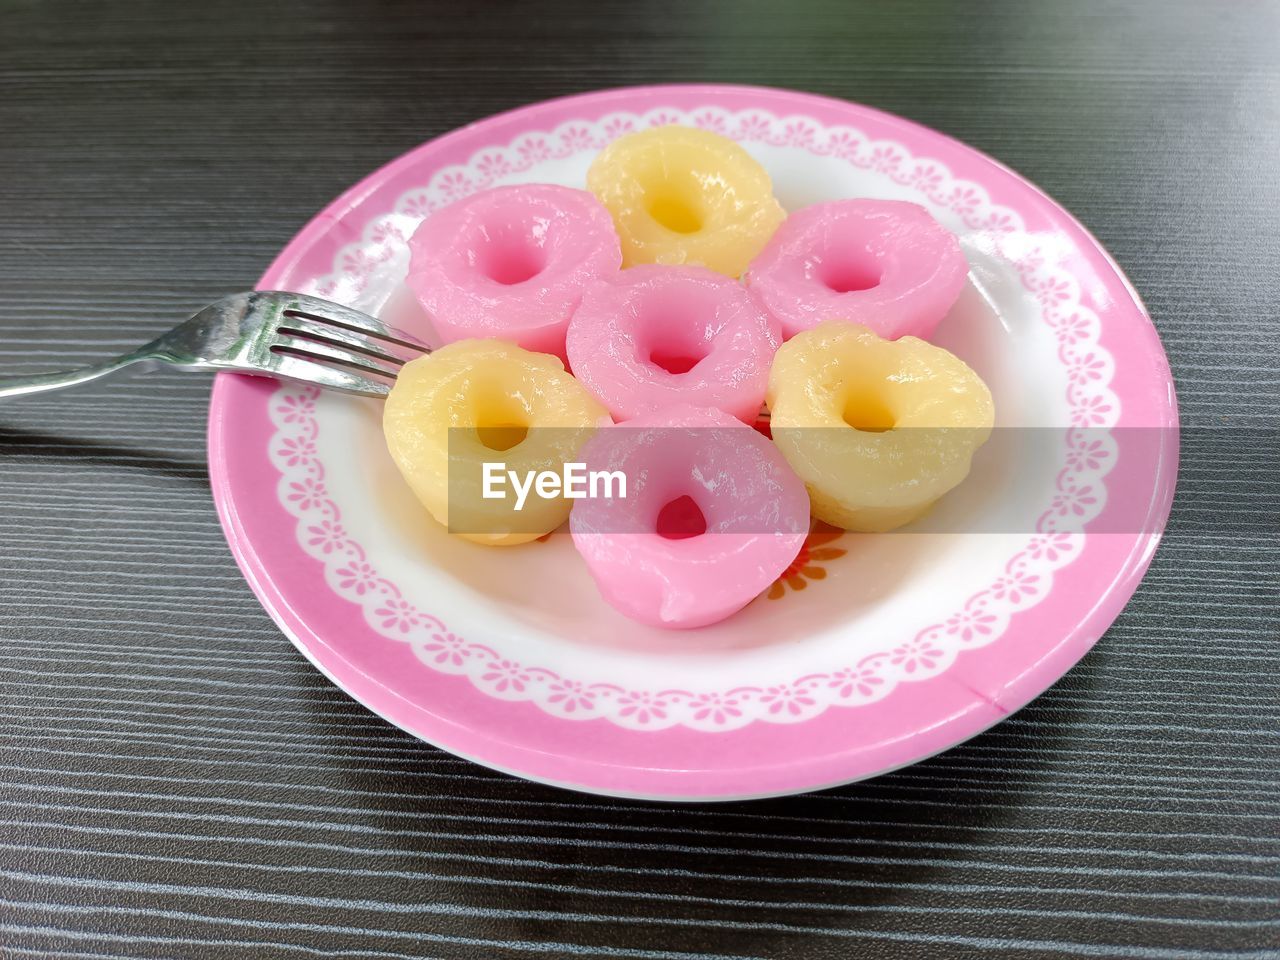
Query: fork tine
x=335 y=315
x=306 y=331
x=305 y=370
x=333 y=356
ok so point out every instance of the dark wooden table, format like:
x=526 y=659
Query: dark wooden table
x=176 y=781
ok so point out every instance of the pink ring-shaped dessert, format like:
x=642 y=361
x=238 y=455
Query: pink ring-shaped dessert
x=754 y=511
x=510 y=263
x=653 y=336
x=884 y=264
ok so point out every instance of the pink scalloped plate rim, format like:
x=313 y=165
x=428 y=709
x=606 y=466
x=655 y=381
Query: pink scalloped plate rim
x=837 y=746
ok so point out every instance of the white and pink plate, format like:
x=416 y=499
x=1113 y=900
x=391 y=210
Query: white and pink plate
x=873 y=651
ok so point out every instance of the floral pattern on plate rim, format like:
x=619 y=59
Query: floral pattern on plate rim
x=1027 y=576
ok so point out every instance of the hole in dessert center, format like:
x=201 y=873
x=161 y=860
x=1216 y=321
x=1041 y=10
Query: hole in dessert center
x=851 y=270
x=672 y=209
x=681 y=519
x=678 y=325
x=502 y=436
x=509 y=260
x=676 y=359
x=867 y=412
x=501 y=423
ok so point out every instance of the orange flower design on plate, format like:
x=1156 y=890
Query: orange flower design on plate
x=808 y=564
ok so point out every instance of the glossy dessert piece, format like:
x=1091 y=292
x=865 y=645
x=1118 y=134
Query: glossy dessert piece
x=510 y=263
x=651 y=337
x=877 y=429
x=484 y=401
x=679 y=195
x=884 y=264
x=712 y=516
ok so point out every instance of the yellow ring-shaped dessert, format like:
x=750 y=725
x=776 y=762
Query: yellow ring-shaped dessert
x=486 y=401
x=877 y=429
x=679 y=195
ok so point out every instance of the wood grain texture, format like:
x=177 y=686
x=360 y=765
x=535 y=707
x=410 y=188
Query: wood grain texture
x=176 y=781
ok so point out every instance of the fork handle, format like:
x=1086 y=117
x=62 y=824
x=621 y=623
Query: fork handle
x=40 y=383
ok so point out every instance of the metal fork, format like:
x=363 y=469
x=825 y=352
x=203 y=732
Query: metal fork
x=286 y=335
